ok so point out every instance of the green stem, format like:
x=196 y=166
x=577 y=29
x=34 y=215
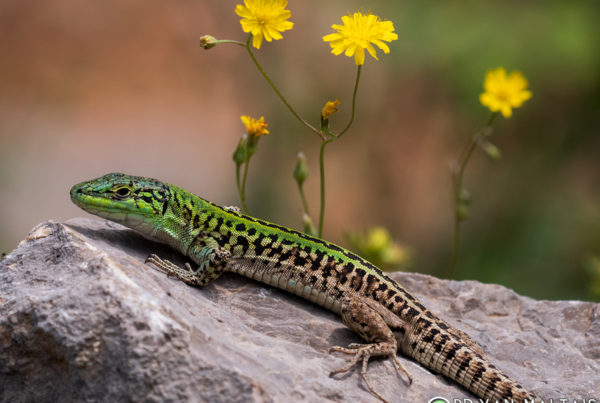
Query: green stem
x=471 y=147
x=243 y=187
x=333 y=137
x=274 y=87
x=455 y=244
x=303 y=197
x=457 y=180
x=230 y=41
x=358 y=70
x=237 y=180
x=322 y=179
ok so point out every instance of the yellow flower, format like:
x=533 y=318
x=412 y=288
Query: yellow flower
x=378 y=246
x=255 y=128
x=264 y=19
x=329 y=109
x=504 y=92
x=358 y=33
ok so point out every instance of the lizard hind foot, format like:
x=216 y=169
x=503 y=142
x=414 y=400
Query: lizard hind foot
x=372 y=321
x=364 y=352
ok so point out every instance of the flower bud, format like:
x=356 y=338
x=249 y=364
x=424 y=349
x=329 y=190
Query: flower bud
x=241 y=152
x=301 y=169
x=255 y=127
x=491 y=150
x=208 y=41
x=329 y=109
x=309 y=227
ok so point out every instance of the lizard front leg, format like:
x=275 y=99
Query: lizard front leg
x=373 y=323
x=211 y=258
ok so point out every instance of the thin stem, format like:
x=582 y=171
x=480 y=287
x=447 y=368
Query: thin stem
x=237 y=180
x=358 y=70
x=322 y=179
x=333 y=137
x=230 y=41
x=243 y=188
x=303 y=197
x=274 y=87
x=457 y=180
x=473 y=144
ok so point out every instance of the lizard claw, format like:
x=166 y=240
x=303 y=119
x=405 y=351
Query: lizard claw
x=364 y=352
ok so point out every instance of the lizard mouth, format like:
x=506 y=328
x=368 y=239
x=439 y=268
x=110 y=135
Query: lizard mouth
x=94 y=203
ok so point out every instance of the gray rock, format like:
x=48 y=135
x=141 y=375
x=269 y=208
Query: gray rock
x=82 y=318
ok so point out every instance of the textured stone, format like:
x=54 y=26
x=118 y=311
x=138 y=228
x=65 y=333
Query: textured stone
x=83 y=318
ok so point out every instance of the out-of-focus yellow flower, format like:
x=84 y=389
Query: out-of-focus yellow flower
x=264 y=19
x=329 y=109
x=359 y=32
x=255 y=128
x=378 y=246
x=504 y=92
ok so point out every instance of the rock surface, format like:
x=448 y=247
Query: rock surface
x=82 y=318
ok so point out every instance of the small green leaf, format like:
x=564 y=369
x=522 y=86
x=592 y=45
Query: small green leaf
x=309 y=227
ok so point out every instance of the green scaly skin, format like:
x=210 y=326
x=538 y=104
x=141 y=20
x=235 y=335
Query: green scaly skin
x=221 y=239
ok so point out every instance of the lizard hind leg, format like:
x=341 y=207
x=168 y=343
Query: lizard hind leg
x=373 y=325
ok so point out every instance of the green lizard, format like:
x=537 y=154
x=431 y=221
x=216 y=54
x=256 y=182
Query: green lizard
x=369 y=302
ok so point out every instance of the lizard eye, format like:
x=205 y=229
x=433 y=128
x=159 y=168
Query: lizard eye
x=123 y=192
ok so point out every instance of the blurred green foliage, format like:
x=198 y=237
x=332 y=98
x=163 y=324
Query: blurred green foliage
x=536 y=238
x=551 y=42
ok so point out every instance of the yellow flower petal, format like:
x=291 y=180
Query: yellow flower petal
x=359 y=32
x=371 y=51
x=255 y=128
x=382 y=46
x=264 y=19
x=243 y=11
x=503 y=91
x=257 y=40
x=359 y=56
x=329 y=109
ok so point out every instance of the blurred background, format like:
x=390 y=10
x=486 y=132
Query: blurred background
x=88 y=88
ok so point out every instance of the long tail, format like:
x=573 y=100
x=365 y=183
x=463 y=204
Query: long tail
x=452 y=353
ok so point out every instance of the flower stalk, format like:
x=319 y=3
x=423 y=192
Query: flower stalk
x=266 y=19
x=247 y=146
x=461 y=197
x=502 y=93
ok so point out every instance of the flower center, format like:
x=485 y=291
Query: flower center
x=503 y=95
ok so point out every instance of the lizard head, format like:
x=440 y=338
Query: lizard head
x=130 y=200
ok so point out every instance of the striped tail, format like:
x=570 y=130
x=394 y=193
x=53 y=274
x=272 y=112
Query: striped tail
x=452 y=353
